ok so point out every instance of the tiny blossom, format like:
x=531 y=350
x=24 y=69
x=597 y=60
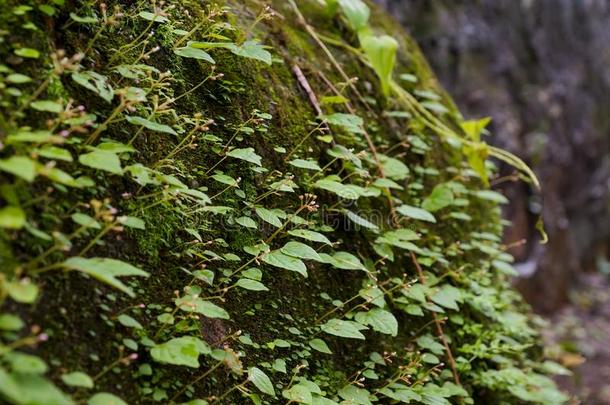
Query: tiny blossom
x=43 y=337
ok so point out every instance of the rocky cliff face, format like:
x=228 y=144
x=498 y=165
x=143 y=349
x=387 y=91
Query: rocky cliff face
x=541 y=69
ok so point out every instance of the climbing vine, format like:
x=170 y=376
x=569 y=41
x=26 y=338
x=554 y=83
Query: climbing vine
x=192 y=212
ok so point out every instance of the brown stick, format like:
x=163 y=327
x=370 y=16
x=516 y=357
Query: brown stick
x=313 y=99
x=439 y=328
x=301 y=19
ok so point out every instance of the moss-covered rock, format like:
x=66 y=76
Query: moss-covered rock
x=217 y=202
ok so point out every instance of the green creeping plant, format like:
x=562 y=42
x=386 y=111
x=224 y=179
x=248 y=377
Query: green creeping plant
x=168 y=181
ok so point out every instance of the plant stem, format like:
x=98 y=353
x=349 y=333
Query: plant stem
x=302 y=141
x=195 y=381
x=216 y=165
x=439 y=328
x=102 y=127
x=100 y=235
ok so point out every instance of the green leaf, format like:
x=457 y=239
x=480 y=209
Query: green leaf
x=320 y=400
x=47 y=106
x=23 y=291
x=477 y=154
x=12 y=218
x=300 y=250
x=374 y=295
x=261 y=381
x=190 y=303
x=86 y=221
x=96 y=83
x=345 y=191
x=430 y=358
x=246 y=154
x=104 y=398
x=83 y=20
x=329 y=100
x=18 y=78
x=441 y=197
x=406 y=395
x=251 y=285
x=10 y=322
x=350 y=122
x=387 y=183
x=147 y=15
x=278 y=259
x=269 y=217
x=435 y=106
x=129 y=322
x=188 y=52
x=400 y=238
x=153 y=126
x=224 y=179
x=132 y=222
x=320 y=345
x=102 y=160
x=27 y=53
x=428 y=342
x=205 y=275
x=47 y=9
x=253 y=50
x=309 y=235
x=416 y=213
x=490 y=195
x=105 y=270
x=554 y=368
x=346 y=329
x=447 y=296
x=31 y=389
x=298 y=393
x=182 y=351
x=115 y=147
x=381 y=53
x=19 y=166
x=354 y=395
x=53 y=152
x=341 y=152
x=9 y=387
x=358 y=220
x=279 y=365
x=393 y=168
x=58 y=176
x=505 y=268
x=356 y=12
x=305 y=164
x=33 y=137
x=346 y=261
x=247 y=222
x=380 y=320
x=257 y=249
x=474 y=128
x=77 y=379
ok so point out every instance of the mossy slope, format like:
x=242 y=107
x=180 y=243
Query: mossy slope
x=191 y=215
